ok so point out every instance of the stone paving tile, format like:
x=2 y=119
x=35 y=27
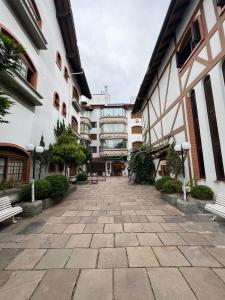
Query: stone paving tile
x=156 y=219
x=133 y=227
x=102 y=241
x=170 y=256
x=149 y=239
x=169 y=284
x=122 y=219
x=139 y=219
x=7 y=255
x=132 y=284
x=84 y=213
x=94 y=228
x=141 y=257
x=215 y=239
x=220 y=273
x=170 y=227
x=26 y=260
x=99 y=213
x=54 y=228
x=218 y=253
x=205 y=283
x=126 y=240
x=55 y=241
x=194 y=239
x=75 y=228
x=79 y=241
x=83 y=258
x=56 y=285
x=4 y=277
x=171 y=239
x=105 y=220
x=54 y=258
x=94 y=285
x=112 y=258
x=113 y=228
x=70 y=213
x=199 y=256
x=128 y=213
x=152 y=227
x=113 y=213
x=21 y=285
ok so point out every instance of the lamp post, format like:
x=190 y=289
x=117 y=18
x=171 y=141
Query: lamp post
x=183 y=149
x=33 y=151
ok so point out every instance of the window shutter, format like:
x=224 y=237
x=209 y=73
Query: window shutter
x=195 y=33
x=220 y=3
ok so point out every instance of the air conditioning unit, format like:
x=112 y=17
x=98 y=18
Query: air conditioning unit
x=220 y=3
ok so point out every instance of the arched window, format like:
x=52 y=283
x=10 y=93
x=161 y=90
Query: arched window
x=58 y=60
x=191 y=39
x=56 y=101
x=66 y=73
x=136 y=145
x=74 y=123
x=27 y=70
x=136 y=130
x=218 y=160
x=75 y=93
x=64 y=110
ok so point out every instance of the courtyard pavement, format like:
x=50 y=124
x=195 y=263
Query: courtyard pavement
x=113 y=241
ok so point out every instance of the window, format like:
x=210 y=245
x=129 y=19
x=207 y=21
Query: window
x=64 y=110
x=58 y=60
x=136 y=145
x=56 y=101
x=93 y=137
x=113 y=112
x=189 y=43
x=75 y=94
x=136 y=115
x=136 y=130
x=197 y=134
x=94 y=124
x=93 y=149
x=27 y=70
x=66 y=74
x=35 y=12
x=74 y=123
x=114 y=128
x=84 y=129
x=114 y=144
x=213 y=129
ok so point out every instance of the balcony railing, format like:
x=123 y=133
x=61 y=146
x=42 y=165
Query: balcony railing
x=86 y=137
x=111 y=120
x=85 y=120
x=113 y=152
x=110 y=136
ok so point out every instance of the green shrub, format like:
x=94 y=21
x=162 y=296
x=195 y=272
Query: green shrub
x=42 y=190
x=202 y=192
x=82 y=176
x=159 y=183
x=59 y=185
x=171 y=187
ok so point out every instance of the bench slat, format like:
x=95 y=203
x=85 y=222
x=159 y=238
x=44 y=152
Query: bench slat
x=6 y=209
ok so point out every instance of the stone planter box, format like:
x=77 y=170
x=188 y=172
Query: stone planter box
x=13 y=194
x=31 y=209
x=170 y=198
x=82 y=182
x=201 y=203
x=48 y=203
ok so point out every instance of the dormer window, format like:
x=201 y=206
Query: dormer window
x=64 y=110
x=66 y=73
x=75 y=94
x=189 y=43
x=58 y=60
x=56 y=101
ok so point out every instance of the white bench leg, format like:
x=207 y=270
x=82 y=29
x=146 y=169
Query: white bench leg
x=14 y=220
x=213 y=218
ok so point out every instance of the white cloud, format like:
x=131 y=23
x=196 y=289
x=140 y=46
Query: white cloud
x=116 y=39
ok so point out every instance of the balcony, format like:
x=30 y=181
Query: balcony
x=111 y=120
x=85 y=120
x=76 y=104
x=110 y=136
x=114 y=153
x=86 y=137
x=20 y=88
x=29 y=19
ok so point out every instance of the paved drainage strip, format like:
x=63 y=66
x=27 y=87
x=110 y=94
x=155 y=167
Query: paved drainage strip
x=34 y=227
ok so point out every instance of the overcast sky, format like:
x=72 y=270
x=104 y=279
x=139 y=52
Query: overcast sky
x=116 y=39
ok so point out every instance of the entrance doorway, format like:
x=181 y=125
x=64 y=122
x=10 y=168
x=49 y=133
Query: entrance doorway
x=117 y=168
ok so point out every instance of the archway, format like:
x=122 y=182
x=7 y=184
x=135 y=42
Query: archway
x=117 y=168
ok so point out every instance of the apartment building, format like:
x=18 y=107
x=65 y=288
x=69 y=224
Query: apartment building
x=111 y=131
x=47 y=88
x=182 y=95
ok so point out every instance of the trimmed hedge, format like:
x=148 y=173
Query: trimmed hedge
x=82 y=176
x=59 y=185
x=171 y=187
x=202 y=192
x=160 y=182
x=42 y=190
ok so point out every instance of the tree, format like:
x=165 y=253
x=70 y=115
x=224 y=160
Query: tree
x=10 y=53
x=88 y=155
x=173 y=162
x=66 y=151
x=60 y=128
x=43 y=158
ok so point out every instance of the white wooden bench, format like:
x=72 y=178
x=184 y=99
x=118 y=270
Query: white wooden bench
x=7 y=211
x=219 y=207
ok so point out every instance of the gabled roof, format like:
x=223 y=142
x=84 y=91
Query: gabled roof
x=66 y=22
x=173 y=17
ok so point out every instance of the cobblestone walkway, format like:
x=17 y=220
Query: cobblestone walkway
x=113 y=241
